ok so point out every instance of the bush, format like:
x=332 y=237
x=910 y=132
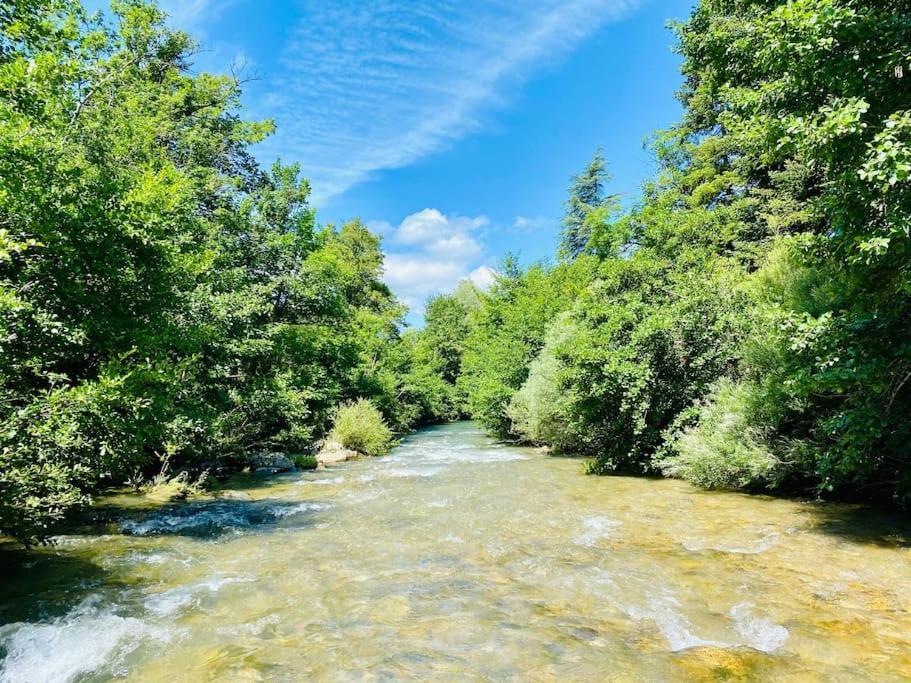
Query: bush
x=539 y=411
x=163 y=488
x=360 y=427
x=305 y=462
x=645 y=343
x=724 y=450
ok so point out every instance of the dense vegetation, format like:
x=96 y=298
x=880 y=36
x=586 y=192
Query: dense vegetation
x=748 y=323
x=167 y=305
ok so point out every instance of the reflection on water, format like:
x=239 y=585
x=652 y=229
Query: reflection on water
x=459 y=558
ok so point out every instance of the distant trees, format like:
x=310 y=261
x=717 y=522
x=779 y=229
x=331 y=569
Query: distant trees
x=509 y=331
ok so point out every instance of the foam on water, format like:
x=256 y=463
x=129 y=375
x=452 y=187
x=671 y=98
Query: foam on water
x=90 y=637
x=321 y=482
x=446 y=449
x=220 y=516
x=297 y=509
x=144 y=557
x=66 y=541
x=458 y=455
x=760 y=545
x=596 y=529
x=755 y=632
x=758 y=633
x=664 y=612
x=437 y=561
x=408 y=472
x=173 y=600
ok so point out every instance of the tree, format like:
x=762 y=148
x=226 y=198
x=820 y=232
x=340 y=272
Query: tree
x=509 y=330
x=586 y=207
x=163 y=299
x=811 y=99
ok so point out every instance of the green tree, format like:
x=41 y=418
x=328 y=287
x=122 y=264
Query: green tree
x=812 y=99
x=586 y=207
x=162 y=297
x=509 y=330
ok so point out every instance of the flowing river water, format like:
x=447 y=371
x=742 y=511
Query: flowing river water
x=458 y=558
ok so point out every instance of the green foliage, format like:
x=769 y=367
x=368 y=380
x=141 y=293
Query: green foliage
x=772 y=247
x=305 y=462
x=724 y=449
x=649 y=340
x=165 y=488
x=509 y=331
x=164 y=300
x=360 y=427
x=821 y=86
x=417 y=374
x=162 y=297
x=586 y=209
x=538 y=411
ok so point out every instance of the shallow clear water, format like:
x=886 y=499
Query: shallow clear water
x=461 y=559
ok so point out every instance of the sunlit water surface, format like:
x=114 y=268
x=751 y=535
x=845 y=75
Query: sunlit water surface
x=460 y=559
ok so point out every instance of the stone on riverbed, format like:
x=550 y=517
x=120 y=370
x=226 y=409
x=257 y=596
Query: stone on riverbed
x=271 y=463
x=333 y=452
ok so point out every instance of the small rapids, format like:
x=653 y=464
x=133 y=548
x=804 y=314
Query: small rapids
x=209 y=518
x=459 y=558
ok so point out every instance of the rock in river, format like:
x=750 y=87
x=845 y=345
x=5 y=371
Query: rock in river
x=271 y=463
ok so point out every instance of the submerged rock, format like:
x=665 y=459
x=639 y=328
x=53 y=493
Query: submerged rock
x=719 y=663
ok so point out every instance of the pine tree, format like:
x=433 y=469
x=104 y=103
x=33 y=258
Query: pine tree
x=586 y=194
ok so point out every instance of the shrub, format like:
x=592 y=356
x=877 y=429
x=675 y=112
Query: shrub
x=539 y=411
x=305 y=462
x=724 y=450
x=645 y=343
x=360 y=427
x=179 y=487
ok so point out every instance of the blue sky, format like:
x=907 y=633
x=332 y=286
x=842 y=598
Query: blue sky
x=451 y=126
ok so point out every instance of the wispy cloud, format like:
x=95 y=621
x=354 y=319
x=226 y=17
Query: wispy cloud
x=525 y=224
x=378 y=84
x=191 y=15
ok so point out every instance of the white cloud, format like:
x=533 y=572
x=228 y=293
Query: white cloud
x=378 y=84
x=483 y=277
x=456 y=247
x=441 y=235
x=525 y=224
x=430 y=226
x=431 y=253
x=415 y=277
x=380 y=227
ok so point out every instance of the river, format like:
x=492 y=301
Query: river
x=458 y=558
